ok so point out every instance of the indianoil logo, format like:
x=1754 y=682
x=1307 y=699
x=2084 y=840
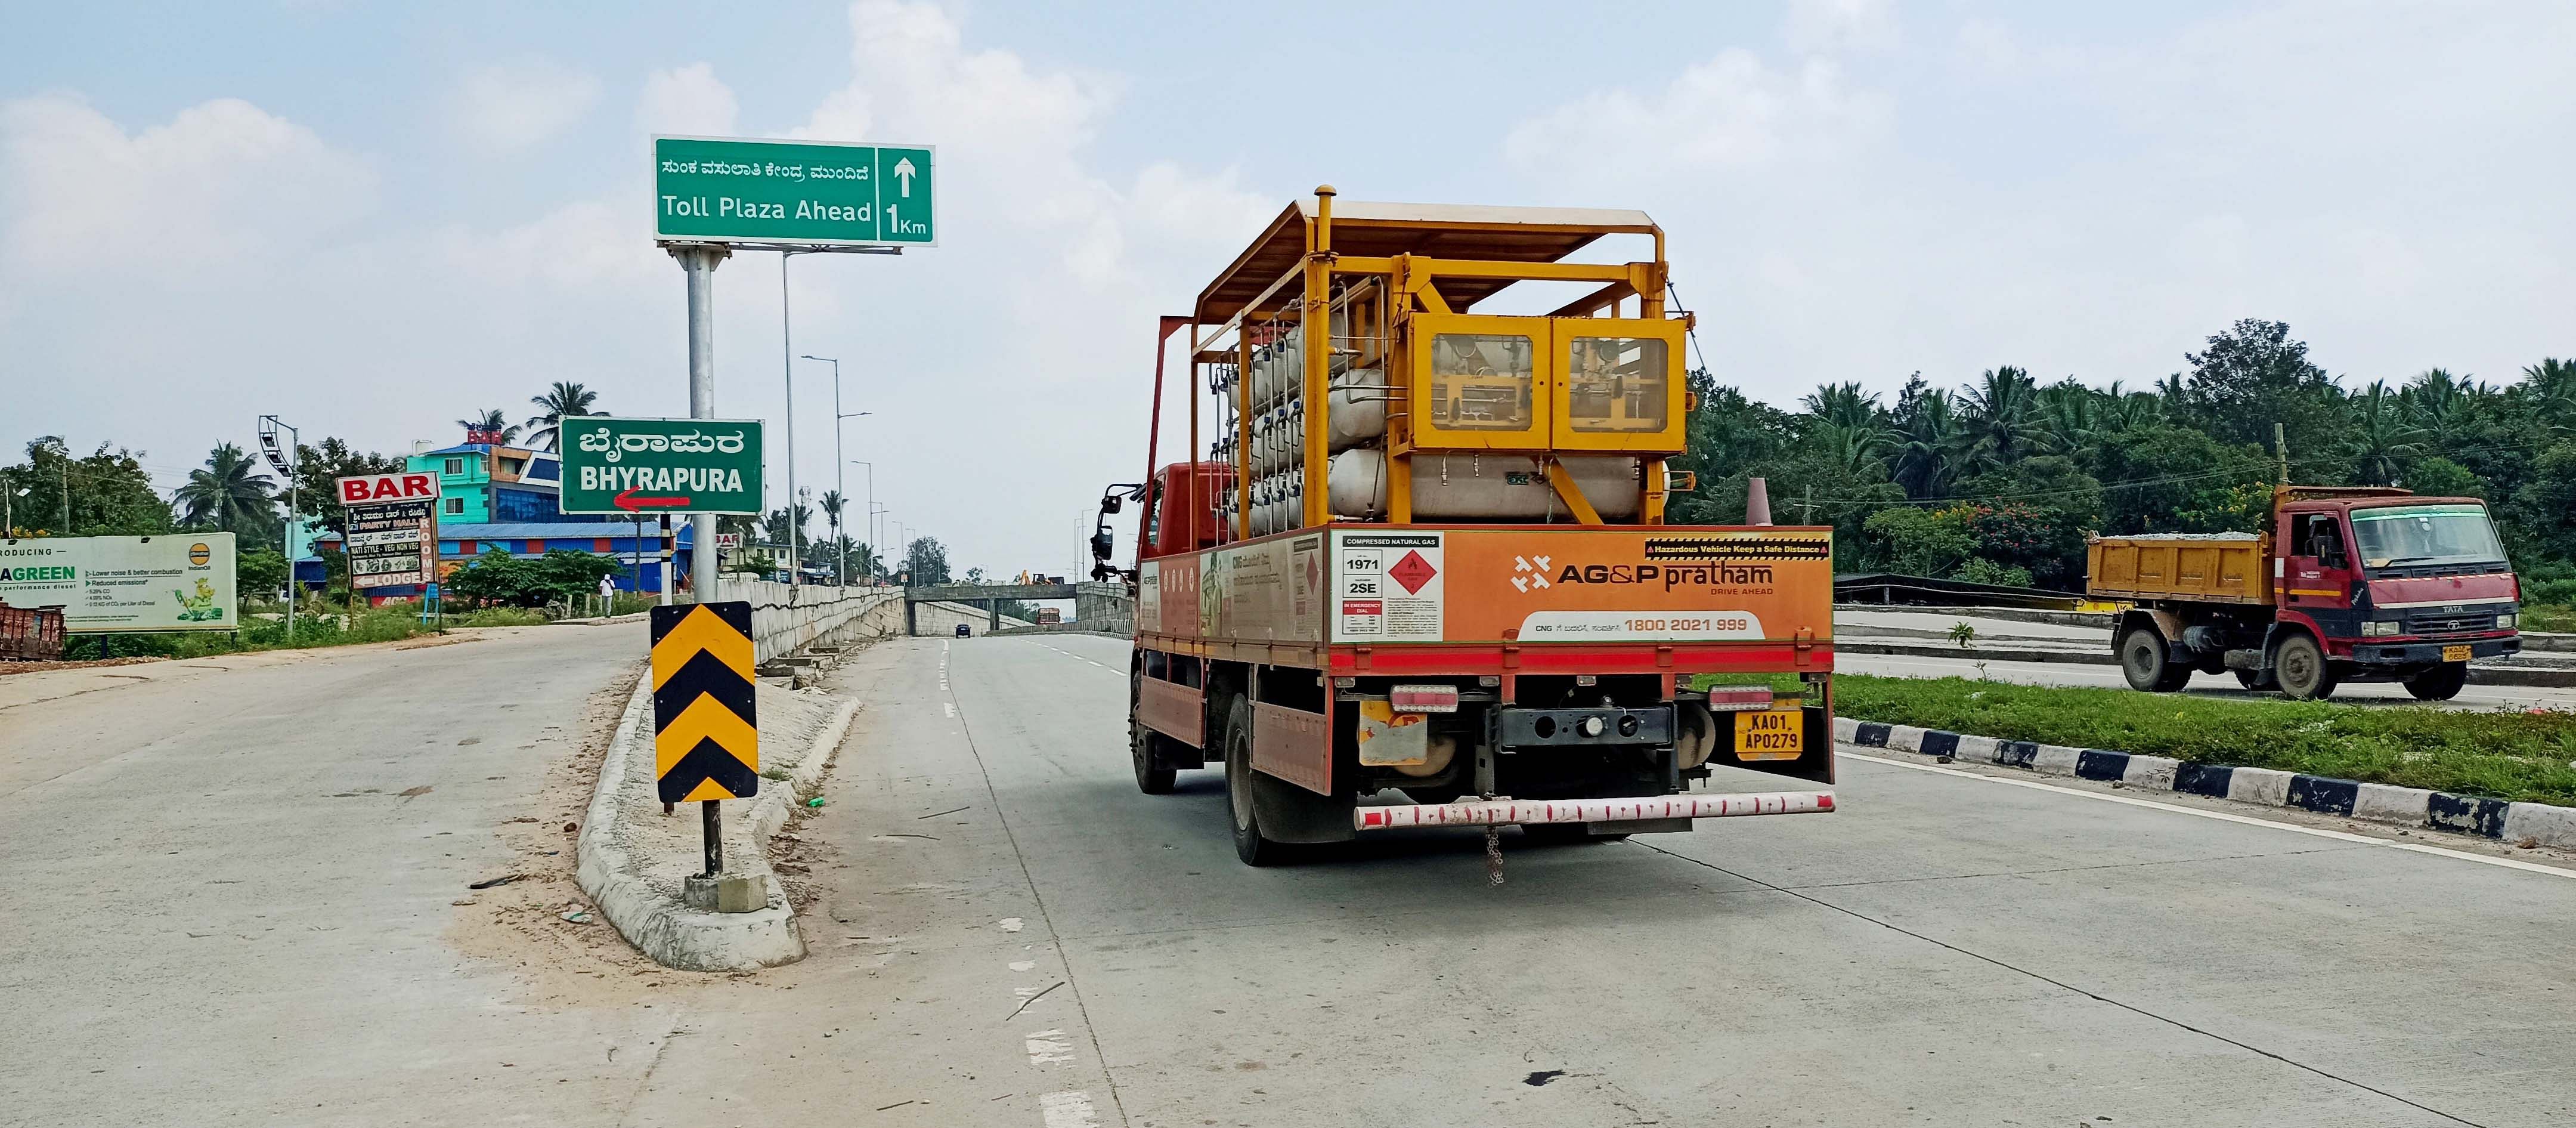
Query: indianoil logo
x=198 y=554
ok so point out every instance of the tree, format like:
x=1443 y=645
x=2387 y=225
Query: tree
x=498 y=578
x=927 y=560
x=1912 y=541
x=259 y=572
x=230 y=493
x=2436 y=476
x=2067 y=418
x=105 y=493
x=2253 y=376
x=775 y=527
x=2155 y=476
x=1998 y=410
x=564 y=399
x=318 y=468
x=492 y=421
x=833 y=503
x=1728 y=433
x=2439 y=406
x=2381 y=440
x=1931 y=442
x=2034 y=513
x=1844 y=405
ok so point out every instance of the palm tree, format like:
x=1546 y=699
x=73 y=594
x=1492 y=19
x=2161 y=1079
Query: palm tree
x=832 y=504
x=2383 y=441
x=2439 y=403
x=1998 y=413
x=1855 y=449
x=231 y=494
x=2551 y=384
x=492 y=421
x=2068 y=417
x=1928 y=443
x=565 y=398
x=1843 y=405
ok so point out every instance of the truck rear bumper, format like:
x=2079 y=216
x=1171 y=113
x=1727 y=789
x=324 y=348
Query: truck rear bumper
x=1505 y=812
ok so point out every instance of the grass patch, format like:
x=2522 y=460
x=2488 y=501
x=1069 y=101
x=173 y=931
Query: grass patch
x=499 y=617
x=2505 y=755
x=385 y=624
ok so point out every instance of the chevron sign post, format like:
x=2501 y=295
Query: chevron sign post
x=706 y=735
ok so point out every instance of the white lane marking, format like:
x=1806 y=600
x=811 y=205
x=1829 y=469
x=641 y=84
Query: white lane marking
x=2222 y=816
x=950 y=707
x=1078 y=658
x=1011 y=924
x=1023 y=965
x=1071 y=1109
x=1047 y=1047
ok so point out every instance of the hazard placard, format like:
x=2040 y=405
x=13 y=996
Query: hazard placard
x=706 y=734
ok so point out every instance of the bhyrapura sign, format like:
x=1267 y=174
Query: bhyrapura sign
x=625 y=465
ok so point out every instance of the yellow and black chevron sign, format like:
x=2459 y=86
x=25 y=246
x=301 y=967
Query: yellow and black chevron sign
x=706 y=738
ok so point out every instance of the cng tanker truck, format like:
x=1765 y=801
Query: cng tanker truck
x=1424 y=555
x=2344 y=584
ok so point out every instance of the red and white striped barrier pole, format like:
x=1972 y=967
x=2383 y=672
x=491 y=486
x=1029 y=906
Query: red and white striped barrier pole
x=1499 y=812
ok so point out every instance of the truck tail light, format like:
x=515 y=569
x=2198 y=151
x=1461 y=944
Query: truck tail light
x=1423 y=698
x=1739 y=698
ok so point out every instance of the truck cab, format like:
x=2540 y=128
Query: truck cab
x=2397 y=588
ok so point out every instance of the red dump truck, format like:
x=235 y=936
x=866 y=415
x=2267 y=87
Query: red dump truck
x=2346 y=584
x=1425 y=552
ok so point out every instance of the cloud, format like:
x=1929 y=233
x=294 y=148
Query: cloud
x=221 y=180
x=1734 y=112
x=515 y=105
x=1821 y=26
x=688 y=100
x=2093 y=201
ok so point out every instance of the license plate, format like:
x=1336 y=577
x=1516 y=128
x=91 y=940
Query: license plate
x=1776 y=734
x=2455 y=654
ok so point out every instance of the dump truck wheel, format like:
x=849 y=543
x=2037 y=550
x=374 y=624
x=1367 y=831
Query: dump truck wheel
x=2441 y=683
x=2148 y=665
x=2300 y=665
x=1150 y=779
x=1249 y=845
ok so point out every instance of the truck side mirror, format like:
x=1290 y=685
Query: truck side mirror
x=1102 y=545
x=1111 y=504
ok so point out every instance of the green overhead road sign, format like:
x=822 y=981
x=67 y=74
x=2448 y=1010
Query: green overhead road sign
x=622 y=465
x=796 y=193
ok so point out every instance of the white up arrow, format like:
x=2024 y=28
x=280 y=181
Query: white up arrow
x=904 y=171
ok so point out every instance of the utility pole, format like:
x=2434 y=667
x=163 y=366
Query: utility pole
x=1809 y=505
x=2281 y=449
x=699 y=260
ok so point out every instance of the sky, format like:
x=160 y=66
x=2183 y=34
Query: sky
x=373 y=220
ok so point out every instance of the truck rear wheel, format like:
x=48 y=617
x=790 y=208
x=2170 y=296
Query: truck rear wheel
x=2300 y=666
x=2148 y=663
x=1249 y=845
x=2441 y=683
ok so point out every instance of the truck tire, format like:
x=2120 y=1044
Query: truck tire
x=1150 y=779
x=2301 y=667
x=1242 y=812
x=2441 y=683
x=2148 y=663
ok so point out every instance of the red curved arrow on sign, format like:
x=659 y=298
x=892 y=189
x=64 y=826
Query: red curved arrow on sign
x=630 y=503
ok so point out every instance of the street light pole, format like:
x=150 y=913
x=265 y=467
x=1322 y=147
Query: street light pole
x=868 y=522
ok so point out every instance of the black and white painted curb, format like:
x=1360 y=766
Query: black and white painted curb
x=2408 y=806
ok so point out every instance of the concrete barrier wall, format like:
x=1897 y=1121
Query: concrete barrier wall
x=779 y=626
x=939 y=619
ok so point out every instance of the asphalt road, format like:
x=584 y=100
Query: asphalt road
x=205 y=929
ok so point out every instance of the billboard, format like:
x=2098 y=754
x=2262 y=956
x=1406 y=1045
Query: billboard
x=174 y=582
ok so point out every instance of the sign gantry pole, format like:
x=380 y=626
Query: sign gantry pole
x=699 y=261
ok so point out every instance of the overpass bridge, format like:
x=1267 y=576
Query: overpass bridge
x=1096 y=606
